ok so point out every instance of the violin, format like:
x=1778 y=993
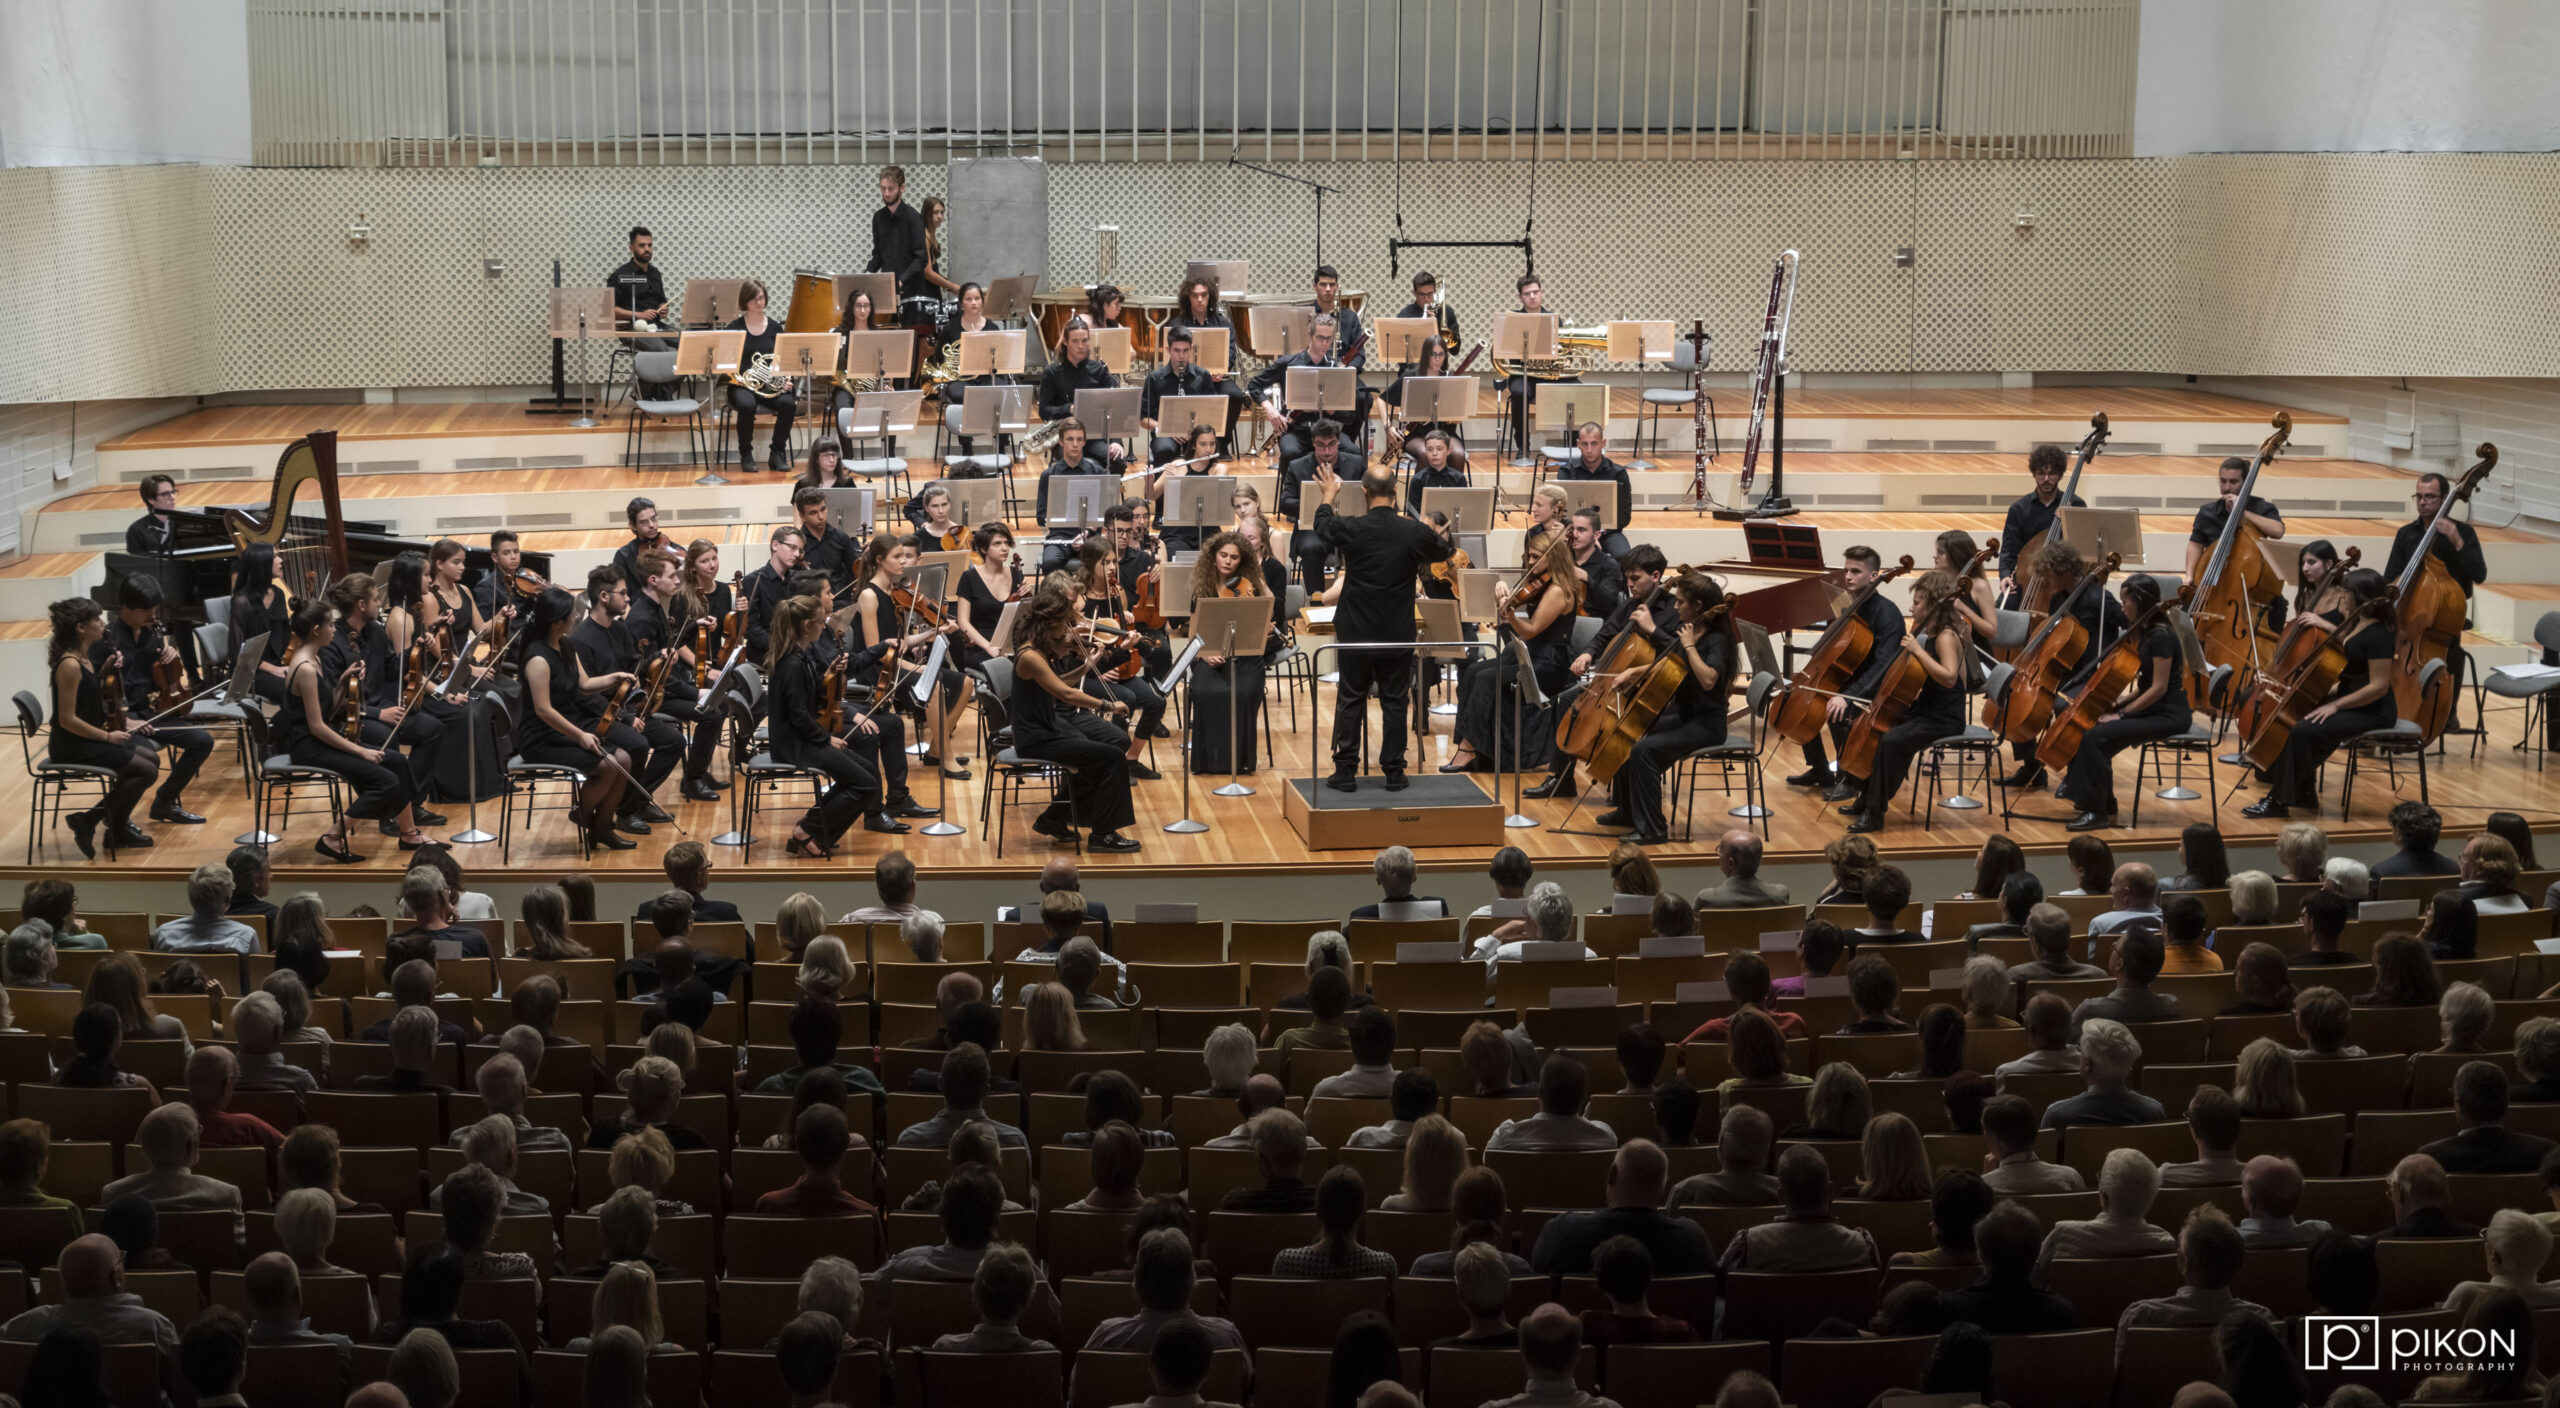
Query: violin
x=2023 y=710
x=731 y=629
x=2433 y=612
x=111 y=691
x=1844 y=646
x=657 y=672
x=2305 y=636
x=2235 y=582
x=353 y=703
x=2118 y=668
x=168 y=682
x=951 y=539
x=2286 y=699
x=831 y=696
x=1525 y=596
x=1447 y=569
x=524 y=582
x=1129 y=667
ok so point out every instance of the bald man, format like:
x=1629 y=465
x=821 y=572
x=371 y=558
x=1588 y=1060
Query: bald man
x=1058 y=875
x=378 y=1394
x=1637 y=1180
x=94 y=1296
x=1550 y=1342
x=1738 y=855
x=1261 y=1092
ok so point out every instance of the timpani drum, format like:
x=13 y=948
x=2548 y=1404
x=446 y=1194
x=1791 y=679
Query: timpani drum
x=813 y=302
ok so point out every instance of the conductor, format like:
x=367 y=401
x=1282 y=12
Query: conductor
x=1382 y=551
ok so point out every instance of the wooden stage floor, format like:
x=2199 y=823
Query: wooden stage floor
x=1250 y=834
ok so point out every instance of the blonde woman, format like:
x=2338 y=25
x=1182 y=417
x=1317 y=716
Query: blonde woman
x=1986 y=991
x=651 y=1090
x=798 y=923
x=1434 y=1155
x=2265 y=1083
x=645 y=1161
x=1049 y=1020
x=627 y=1296
x=1837 y=1107
x=1895 y=1160
x=826 y=970
x=545 y=911
x=617 y=1369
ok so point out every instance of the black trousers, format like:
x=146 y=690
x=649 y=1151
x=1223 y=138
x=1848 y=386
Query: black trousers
x=421 y=739
x=1144 y=701
x=1095 y=754
x=706 y=730
x=746 y=403
x=1816 y=759
x=135 y=767
x=469 y=728
x=383 y=789
x=2089 y=783
x=1894 y=752
x=1311 y=553
x=2296 y=775
x=852 y=789
x=1222 y=695
x=1637 y=789
x=1486 y=691
x=837 y=405
x=884 y=751
x=1523 y=394
x=192 y=745
x=1388 y=674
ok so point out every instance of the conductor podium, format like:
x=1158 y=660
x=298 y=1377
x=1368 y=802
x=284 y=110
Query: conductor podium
x=1437 y=809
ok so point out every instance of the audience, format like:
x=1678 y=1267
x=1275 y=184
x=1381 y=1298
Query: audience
x=2127 y=1182
x=491 y=1144
x=1483 y=1280
x=472 y=1199
x=2050 y=1049
x=2324 y=1017
x=1510 y=871
x=2324 y=919
x=1163 y=1277
x=1957 y=1206
x=817 y=1036
x=893 y=879
x=1564 y=1087
x=2134 y=891
x=1638 y=1177
x=208 y=927
x=2210 y=1251
x=1550 y=1345
x=258 y=1027
x=2420 y=1199
x=2108 y=1054
x=2270 y=1190
x=273 y=1286
x=2138 y=959
x=819 y=1136
x=1805 y=1236
x=1002 y=1289
x=1738 y=856
x=2538 y=1061
x=2497 y=1318
x=2213 y=1119
x=1435 y=1156
x=1479 y=1205
x=1336 y=1254
x=1874 y=989
x=1624 y=1271
x=170 y=1139
x=1742 y=1176
x=1373 y=1050
x=2484 y=1144
x=25 y=1153
x=1819 y=949
x=1328 y=997
x=94 y=1301
x=1412 y=1095
x=1394 y=871
x=1747 y=982
x=1279 y=1142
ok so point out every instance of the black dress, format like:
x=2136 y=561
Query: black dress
x=135 y=768
x=746 y=403
x=1937 y=714
x=800 y=739
x=1093 y=750
x=2296 y=774
x=383 y=789
x=263 y=615
x=1234 y=686
x=536 y=740
x=985 y=610
x=2090 y=782
x=1486 y=689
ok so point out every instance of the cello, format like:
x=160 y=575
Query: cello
x=2023 y=710
x=2288 y=698
x=2030 y=587
x=2119 y=667
x=1896 y=692
x=1593 y=715
x=1629 y=714
x=2433 y=610
x=1844 y=646
x=2234 y=583
x=2304 y=637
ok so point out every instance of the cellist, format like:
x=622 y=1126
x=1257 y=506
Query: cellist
x=1695 y=717
x=2454 y=542
x=2156 y=709
x=2323 y=592
x=2262 y=515
x=2061 y=568
x=1859 y=566
x=1937 y=637
x=1647 y=605
x=2033 y=514
x=2360 y=703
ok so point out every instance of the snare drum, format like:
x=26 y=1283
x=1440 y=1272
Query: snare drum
x=813 y=302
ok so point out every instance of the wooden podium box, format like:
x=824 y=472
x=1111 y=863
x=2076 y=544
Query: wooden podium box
x=1439 y=809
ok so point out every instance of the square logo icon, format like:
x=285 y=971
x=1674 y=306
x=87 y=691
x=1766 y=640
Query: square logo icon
x=2351 y=1342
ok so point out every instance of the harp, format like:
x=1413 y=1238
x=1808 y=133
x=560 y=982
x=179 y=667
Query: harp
x=310 y=553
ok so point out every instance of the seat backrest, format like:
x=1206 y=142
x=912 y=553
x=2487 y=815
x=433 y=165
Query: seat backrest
x=31 y=711
x=653 y=366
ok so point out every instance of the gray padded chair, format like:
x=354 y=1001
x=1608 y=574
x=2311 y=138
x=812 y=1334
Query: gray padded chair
x=2386 y=746
x=1009 y=771
x=1655 y=400
x=2536 y=693
x=1744 y=753
x=2196 y=742
x=659 y=368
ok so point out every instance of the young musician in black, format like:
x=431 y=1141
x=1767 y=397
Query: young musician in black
x=360 y=638
x=80 y=732
x=2060 y=570
x=1382 y=552
x=886 y=564
x=825 y=547
x=1859 y=566
x=1604 y=583
x=1938 y=639
x=743 y=403
x=1427 y=304
x=1056 y=721
x=313 y=729
x=1271 y=384
x=2033 y=514
x=800 y=735
x=1179 y=376
x=1096 y=576
x=2323 y=579
x=1695 y=717
x=152 y=534
x=1522 y=387
x=1646 y=593
x=1592 y=465
x=1327 y=458
x=898 y=237
x=1435 y=362
x=2154 y=707
x=508 y=585
x=666 y=615
x=610 y=656
x=1488 y=687
x=640 y=296
x=259 y=607
x=1220 y=686
x=1203 y=446
x=642 y=515
x=558 y=728
x=411 y=608
x=990 y=582
x=1438 y=464
x=136 y=634
x=2360 y=703
x=765 y=588
x=1070 y=457
x=1076 y=369
x=2458 y=545
x=2210 y=518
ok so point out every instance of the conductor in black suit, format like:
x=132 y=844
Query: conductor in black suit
x=1325 y=456
x=1382 y=552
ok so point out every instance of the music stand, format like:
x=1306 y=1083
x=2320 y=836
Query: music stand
x=1111 y=347
x=2099 y=531
x=1638 y=341
x=807 y=356
x=1470 y=509
x=1200 y=502
x=1568 y=405
x=1228 y=276
x=1109 y=413
x=881 y=356
x=1447 y=400
x=886 y=414
x=582 y=314
x=1009 y=298
x=973 y=501
x=1598 y=495
x=850 y=504
x=1400 y=340
x=1078 y=500
x=996 y=353
x=1178 y=416
x=1525 y=693
x=1185 y=825
x=1239 y=625
x=1175 y=598
x=1281 y=329
x=1213 y=347
x=711 y=303
x=1323 y=391
x=1783 y=546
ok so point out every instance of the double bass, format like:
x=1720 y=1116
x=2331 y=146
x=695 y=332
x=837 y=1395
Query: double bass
x=2433 y=610
x=2287 y=698
x=2234 y=583
x=1896 y=692
x=1844 y=646
x=2029 y=581
x=2305 y=636
x=2023 y=710
x=2119 y=667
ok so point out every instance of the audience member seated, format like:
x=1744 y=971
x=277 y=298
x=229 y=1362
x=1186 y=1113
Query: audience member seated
x=1819 y=949
x=274 y=1289
x=2489 y=870
x=472 y=1198
x=2323 y=1017
x=2210 y=1251
x=1624 y=1270
x=1888 y=891
x=258 y=1025
x=1957 y=1206
x=1435 y=1155
x=213 y=1356
x=2420 y=1199
x=1638 y=1178
x=817 y=1035
x=821 y=1139
x=626 y=1298
x=1675 y=1113
x=96 y=1037
x=2403 y=974
x=491 y=1144
x=2503 y=1321
x=2186 y=927
x=1942 y=1030
x=1564 y=1088
x=2127 y=1183
x=1987 y=995
x=652 y=1089
x=134 y=1226
x=1261 y=1092
x=1550 y=1344
x=1413 y=1094
x=2007 y=1300
x=413 y=984
x=2270 y=1191
x=1119 y=1157
x=1747 y=982
x=2262 y=981
x=1742 y=1158
x=94 y=1299
x=2538 y=1061
x=2134 y=891
x=2518 y=1246
x=212 y=1074
x=1110 y=1096
x=1550 y=919
x=501 y=1083
x=964 y=1097
x=1279 y=1141
x=2108 y=1054
x=1328 y=997
x=1895 y=1161
x=646 y=1160
x=2452 y=928
x=2140 y=953
x=431 y=1279
x=49 y=910
x=979 y=1024
x=1758 y=1055
x=625 y=1222
x=306 y=1223
x=972 y=1200
x=1738 y=856
x=1805 y=1237
x=1964 y=1094
x=1393 y=869
x=1336 y=1254
x=433 y=907
x=309 y=1159
x=1852 y=859
x=2213 y=1118
x=2485 y=1145
x=2324 y=917
x=2047 y=1019
x=1483 y=1278
x=1002 y=1290
x=1326 y=948
x=208 y=928
x=170 y=1139
x=1373 y=1048
x=1478 y=1205
x=806 y=1354
x=1837 y=1106
x=26 y=1150
x=2048 y=928
x=413 y=1044
x=29 y=958
x=893 y=881
x=1163 y=1277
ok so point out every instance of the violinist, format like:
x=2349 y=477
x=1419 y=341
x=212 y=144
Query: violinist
x=1069 y=457
x=454 y=603
x=2361 y=702
x=1592 y=465
x=307 y=730
x=1859 y=567
x=412 y=609
x=1541 y=612
x=259 y=607
x=1057 y=722
x=1382 y=552
x=825 y=548
x=1227 y=567
x=609 y=658
x=1137 y=569
x=2034 y=513
x=703 y=591
x=824 y=466
x=887 y=566
x=1938 y=638
x=1695 y=717
x=2060 y=570
x=1435 y=362
x=1647 y=599
x=2454 y=542
x=2263 y=516
x=874 y=732
x=765 y=588
x=668 y=614
x=2323 y=592
x=84 y=733
x=1549 y=512
x=1604 y=583
x=1179 y=376
x=558 y=729
x=1076 y=369
x=1438 y=464
x=1324 y=458
x=1975 y=604
x=802 y=739
x=642 y=515
x=1095 y=579
x=2155 y=709
x=360 y=638
x=1203 y=447
x=991 y=581
x=137 y=635
x=508 y=582
x=931 y=515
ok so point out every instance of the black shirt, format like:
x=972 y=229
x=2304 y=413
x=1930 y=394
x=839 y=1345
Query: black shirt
x=645 y=624
x=757 y=343
x=372 y=646
x=2160 y=652
x=1060 y=383
x=1574 y=471
x=897 y=247
x=626 y=559
x=1449 y=476
x=1381 y=551
x=2466 y=563
x=1162 y=382
x=1416 y=310
x=2211 y=517
x=1040 y=494
x=140 y=648
x=1277 y=375
x=1604 y=585
x=1346 y=331
x=637 y=285
x=1300 y=474
x=1884 y=622
x=2028 y=517
x=2367 y=647
x=602 y=649
x=149 y=535
x=763 y=588
x=835 y=554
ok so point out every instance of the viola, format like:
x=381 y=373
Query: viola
x=168 y=682
x=2289 y=697
x=2433 y=612
x=2119 y=667
x=2023 y=710
x=2235 y=582
x=1845 y=645
x=2305 y=636
x=1148 y=607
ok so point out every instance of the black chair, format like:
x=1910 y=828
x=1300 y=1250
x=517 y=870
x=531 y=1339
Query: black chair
x=54 y=782
x=277 y=776
x=1745 y=753
x=1009 y=772
x=2387 y=746
x=524 y=786
x=753 y=768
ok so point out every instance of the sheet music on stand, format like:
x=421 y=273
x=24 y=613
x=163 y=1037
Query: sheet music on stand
x=1079 y=500
x=856 y=504
x=2099 y=531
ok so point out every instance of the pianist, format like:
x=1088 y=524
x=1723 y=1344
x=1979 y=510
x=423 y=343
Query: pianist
x=152 y=534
